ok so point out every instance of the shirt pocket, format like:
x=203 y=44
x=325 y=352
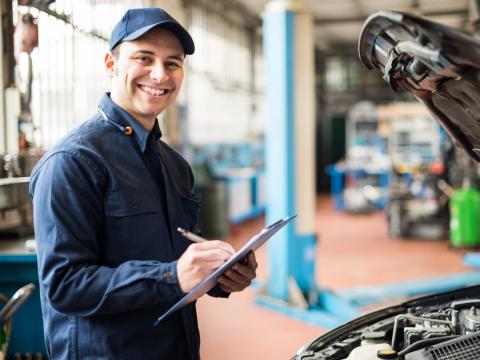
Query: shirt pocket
x=134 y=228
x=131 y=203
x=191 y=207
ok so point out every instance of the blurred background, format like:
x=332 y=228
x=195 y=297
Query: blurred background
x=277 y=116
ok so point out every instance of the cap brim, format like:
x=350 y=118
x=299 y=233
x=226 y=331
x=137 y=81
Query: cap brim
x=178 y=30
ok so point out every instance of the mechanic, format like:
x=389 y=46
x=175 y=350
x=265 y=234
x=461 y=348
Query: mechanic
x=107 y=200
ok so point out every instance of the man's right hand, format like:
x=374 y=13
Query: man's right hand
x=200 y=260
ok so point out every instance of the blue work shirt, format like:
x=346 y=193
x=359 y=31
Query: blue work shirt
x=107 y=254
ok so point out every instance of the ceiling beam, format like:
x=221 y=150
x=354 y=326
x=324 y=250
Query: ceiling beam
x=340 y=20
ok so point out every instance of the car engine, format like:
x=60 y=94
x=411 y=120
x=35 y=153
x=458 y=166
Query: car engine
x=447 y=332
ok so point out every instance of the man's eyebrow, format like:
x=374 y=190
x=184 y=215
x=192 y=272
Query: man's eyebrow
x=179 y=57
x=141 y=51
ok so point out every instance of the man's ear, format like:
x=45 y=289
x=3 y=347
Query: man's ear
x=110 y=64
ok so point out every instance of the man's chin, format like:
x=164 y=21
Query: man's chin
x=153 y=112
x=154 y=107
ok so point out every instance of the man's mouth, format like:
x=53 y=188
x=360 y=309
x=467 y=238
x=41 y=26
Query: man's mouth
x=153 y=91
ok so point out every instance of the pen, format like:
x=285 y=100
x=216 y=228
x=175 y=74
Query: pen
x=191 y=236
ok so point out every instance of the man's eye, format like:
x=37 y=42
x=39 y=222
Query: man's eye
x=143 y=59
x=172 y=65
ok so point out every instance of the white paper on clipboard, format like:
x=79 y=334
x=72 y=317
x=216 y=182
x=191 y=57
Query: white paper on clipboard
x=253 y=244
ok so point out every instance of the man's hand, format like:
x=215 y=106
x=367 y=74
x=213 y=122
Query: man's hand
x=200 y=260
x=239 y=276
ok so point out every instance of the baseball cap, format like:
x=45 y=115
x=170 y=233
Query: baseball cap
x=136 y=22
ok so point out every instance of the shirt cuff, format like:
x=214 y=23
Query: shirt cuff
x=216 y=291
x=168 y=274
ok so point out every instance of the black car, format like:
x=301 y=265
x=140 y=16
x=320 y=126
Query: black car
x=440 y=66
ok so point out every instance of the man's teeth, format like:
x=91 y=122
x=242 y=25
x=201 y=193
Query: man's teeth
x=152 y=91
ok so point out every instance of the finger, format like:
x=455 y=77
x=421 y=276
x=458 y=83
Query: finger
x=232 y=285
x=226 y=288
x=252 y=261
x=212 y=265
x=217 y=254
x=243 y=271
x=212 y=255
x=215 y=244
x=238 y=278
x=208 y=266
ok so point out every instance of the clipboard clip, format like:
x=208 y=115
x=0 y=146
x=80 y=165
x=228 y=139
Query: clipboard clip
x=288 y=218
x=274 y=224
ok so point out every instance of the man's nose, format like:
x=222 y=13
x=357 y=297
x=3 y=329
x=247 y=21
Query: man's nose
x=158 y=72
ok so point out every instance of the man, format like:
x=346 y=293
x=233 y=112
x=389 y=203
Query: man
x=108 y=199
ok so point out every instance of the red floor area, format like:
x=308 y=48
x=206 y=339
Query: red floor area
x=352 y=250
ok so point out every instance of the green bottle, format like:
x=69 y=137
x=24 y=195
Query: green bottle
x=465 y=218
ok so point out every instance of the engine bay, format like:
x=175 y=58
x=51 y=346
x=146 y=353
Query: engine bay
x=449 y=331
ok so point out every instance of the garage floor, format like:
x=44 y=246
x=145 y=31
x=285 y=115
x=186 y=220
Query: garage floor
x=353 y=250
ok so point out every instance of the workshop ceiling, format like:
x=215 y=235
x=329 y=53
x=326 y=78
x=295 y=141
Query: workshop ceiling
x=338 y=22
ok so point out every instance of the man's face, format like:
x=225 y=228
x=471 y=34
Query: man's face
x=146 y=74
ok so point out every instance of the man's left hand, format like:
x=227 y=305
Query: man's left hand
x=240 y=275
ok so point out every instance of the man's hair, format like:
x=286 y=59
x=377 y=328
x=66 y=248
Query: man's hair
x=116 y=51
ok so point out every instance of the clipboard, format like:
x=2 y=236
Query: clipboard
x=209 y=282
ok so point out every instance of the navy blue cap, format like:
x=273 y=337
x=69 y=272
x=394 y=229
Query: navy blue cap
x=136 y=22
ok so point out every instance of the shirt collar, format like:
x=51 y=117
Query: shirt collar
x=156 y=133
x=121 y=117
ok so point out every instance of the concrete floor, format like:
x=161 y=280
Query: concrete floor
x=353 y=250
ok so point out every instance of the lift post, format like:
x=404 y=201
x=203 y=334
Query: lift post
x=288 y=46
x=290 y=163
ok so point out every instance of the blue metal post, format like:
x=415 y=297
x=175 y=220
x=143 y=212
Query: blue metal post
x=289 y=162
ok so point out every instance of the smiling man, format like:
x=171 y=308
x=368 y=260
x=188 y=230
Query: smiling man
x=107 y=200
x=146 y=74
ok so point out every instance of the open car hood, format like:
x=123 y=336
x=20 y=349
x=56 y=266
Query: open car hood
x=439 y=65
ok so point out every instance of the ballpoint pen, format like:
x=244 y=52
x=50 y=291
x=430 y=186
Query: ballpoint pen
x=198 y=239
x=191 y=236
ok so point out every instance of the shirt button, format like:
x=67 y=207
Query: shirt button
x=135 y=204
x=168 y=274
